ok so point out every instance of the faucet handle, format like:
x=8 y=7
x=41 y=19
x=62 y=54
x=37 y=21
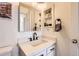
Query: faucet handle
x=30 y=39
x=36 y=38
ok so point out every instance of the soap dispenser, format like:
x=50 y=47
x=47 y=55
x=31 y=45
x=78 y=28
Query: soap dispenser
x=58 y=25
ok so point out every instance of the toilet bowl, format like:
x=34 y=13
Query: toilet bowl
x=5 y=51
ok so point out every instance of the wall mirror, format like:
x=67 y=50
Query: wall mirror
x=28 y=18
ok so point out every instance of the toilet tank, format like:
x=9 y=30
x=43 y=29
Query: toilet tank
x=5 y=51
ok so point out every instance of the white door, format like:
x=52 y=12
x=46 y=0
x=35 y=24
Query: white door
x=74 y=48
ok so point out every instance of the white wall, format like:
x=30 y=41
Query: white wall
x=63 y=11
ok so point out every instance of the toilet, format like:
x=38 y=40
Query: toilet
x=5 y=51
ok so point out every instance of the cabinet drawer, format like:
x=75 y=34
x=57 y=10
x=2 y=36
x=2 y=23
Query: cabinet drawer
x=41 y=53
x=50 y=49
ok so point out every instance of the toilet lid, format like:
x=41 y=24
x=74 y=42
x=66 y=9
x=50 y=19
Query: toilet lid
x=5 y=49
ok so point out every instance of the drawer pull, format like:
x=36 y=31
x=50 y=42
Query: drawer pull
x=52 y=49
x=42 y=55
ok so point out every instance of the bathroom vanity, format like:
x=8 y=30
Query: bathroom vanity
x=42 y=47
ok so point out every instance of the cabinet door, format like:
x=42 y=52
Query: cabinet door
x=50 y=49
x=51 y=54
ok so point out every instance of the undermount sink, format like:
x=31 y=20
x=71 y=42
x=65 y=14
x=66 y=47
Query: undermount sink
x=38 y=42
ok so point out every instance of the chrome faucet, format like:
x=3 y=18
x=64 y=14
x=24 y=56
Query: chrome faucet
x=35 y=37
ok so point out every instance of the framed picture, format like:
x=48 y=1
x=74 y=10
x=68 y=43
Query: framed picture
x=5 y=10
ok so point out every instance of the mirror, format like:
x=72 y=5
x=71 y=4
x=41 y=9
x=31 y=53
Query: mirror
x=24 y=18
x=28 y=18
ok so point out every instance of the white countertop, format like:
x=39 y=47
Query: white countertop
x=28 y=49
